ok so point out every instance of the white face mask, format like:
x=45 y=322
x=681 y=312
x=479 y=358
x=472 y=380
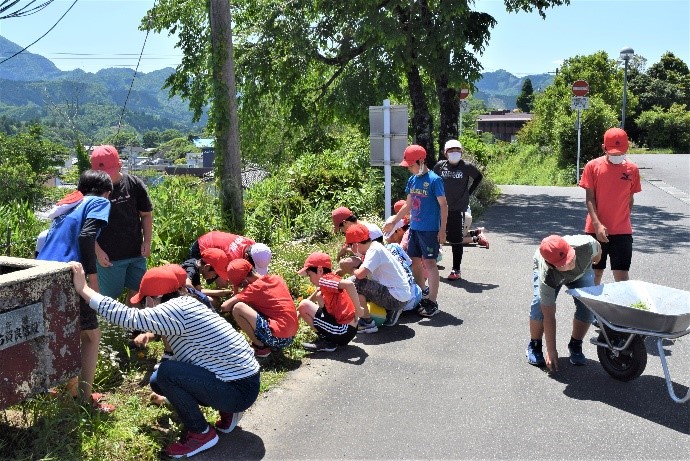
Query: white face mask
x=617 y=159
x=422 y=170
x=454 y=157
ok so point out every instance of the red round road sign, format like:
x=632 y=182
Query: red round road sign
x=580 y=88
x=463 y=93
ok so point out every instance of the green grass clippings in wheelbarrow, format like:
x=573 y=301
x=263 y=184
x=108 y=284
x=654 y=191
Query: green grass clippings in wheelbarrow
x=629 y=311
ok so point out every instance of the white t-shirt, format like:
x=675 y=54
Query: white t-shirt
x=386 y=270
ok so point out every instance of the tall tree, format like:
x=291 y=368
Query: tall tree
x=525 y=99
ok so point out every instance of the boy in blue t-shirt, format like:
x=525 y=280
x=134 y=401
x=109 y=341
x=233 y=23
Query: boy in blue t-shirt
x=426 y=202
x=77 y=221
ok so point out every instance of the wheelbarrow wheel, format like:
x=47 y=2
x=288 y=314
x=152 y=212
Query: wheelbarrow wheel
x=629 y=363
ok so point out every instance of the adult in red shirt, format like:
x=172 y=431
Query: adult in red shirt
x=262 y=307
x=610 y=182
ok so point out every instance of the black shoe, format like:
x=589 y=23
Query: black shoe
x=320 y=345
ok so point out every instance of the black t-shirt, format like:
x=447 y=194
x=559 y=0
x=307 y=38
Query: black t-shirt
x=123 y=236
x=191 y=267
x=456 y=182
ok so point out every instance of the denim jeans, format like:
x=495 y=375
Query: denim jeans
x=581 y=312
x=187 y=386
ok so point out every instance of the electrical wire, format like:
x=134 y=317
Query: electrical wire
x=23 y=11
x=124 y=106
x=39 y=38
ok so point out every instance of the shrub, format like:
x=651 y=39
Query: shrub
x=670 y=129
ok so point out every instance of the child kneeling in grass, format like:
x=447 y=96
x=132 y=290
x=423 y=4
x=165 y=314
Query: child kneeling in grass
x=332 y=310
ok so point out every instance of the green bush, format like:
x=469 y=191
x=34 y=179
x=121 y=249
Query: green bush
x=18 y=220
x=666 y=129
x=183 y=209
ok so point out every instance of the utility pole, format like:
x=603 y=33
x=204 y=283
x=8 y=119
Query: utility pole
x=225 y=123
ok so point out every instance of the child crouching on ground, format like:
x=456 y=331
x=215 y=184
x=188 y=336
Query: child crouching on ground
x=332 y=310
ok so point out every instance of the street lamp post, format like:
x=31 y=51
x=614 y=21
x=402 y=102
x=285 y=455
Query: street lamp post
x=626 y=54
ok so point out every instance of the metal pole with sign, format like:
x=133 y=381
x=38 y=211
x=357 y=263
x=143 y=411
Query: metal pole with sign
x=579 y=102
x=388 y=126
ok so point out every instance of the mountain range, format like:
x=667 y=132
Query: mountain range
x=29 y=83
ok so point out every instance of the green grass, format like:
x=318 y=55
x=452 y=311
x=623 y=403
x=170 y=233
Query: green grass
x=646 y=150
x=528 y=165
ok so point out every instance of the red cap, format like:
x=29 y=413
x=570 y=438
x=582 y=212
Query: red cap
x=316 y=259
x=157 y=281
x=615 y=141
x=412 y=154
x=357 y=233
x=180 y=273
x=397 y=206
x=237 y=270
x=339 y=215
x=218 y=261
x=556 y=251
x=105 y=158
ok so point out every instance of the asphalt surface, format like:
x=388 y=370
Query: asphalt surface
x=457 y=386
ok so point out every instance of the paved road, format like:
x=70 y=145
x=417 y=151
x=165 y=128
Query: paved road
x=457 y=386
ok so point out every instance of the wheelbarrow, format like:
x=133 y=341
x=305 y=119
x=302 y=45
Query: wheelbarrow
x=626 y=313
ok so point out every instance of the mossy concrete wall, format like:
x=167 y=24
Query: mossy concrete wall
x=39 y=328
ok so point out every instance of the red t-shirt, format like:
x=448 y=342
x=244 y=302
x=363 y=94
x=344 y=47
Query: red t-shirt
x=336 y=301
x=613 y=185
x=233 y=245
x=270 y=296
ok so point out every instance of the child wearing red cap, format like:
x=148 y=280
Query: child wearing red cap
x=428 y=208
x=211 y=363
x=332 y=309
x=610 y=182
x=380 y=279
x=560 y=261
x=262 y=307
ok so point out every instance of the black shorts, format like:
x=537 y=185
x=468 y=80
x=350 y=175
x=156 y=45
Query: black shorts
x=330 y=330
x=455 y=226
x=619 y=249
x=88 y=320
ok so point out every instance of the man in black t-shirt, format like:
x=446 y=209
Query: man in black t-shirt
x=124 y=245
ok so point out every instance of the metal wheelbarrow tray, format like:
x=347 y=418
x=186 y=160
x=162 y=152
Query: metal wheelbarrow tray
x=620 y=344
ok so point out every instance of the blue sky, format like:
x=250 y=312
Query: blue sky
x=103 y=33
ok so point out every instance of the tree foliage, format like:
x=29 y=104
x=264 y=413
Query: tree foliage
x=554 y=122
x=666 y=128
x=526 y=97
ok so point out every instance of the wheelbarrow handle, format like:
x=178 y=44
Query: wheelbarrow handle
x=667 y=375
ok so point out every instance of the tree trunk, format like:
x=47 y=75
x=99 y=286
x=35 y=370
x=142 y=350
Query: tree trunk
x=224 y=113
x=422 y=123
x=449 y=107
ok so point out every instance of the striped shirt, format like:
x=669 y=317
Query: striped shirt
x=196 y=334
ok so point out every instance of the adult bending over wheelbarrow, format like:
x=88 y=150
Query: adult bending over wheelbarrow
x=560 y=261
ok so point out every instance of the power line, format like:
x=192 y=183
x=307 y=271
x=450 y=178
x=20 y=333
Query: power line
x=23 y=11
x=39 y=38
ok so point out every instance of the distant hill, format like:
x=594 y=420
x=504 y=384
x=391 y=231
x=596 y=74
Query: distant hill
x=30 y=84
x=500 y=89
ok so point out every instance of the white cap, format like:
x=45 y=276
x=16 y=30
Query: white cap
x=399 y=224
x=451 y=143
x=261 y=255
x=374 y=231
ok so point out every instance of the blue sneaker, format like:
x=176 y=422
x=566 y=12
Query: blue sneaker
x=534 y=354
x=576 y=356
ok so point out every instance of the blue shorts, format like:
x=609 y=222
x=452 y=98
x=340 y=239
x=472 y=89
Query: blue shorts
x=423 y=244
x=582 y=313
x=264 y=334
x=125 y=273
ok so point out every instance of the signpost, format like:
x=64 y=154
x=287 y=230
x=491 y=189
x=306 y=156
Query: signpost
x=464 y=107
x=579 y=102
x=387 y=141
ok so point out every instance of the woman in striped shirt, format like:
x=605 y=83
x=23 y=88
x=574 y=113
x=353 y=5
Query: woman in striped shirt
x=212 y=364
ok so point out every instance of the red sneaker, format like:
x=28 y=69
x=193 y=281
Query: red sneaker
x=454 y=275
x=483 y=241
x=192 y=443
x=228 y=421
